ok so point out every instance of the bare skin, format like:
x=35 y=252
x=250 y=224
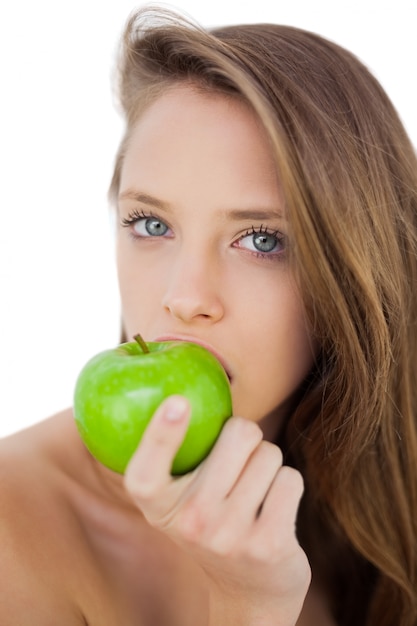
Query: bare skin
x=201 y=209
x=75 y=548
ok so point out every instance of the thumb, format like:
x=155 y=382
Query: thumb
x=149 y=470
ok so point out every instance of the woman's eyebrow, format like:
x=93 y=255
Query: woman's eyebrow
x=251 y=213
x=254 y=214
x=145 y=198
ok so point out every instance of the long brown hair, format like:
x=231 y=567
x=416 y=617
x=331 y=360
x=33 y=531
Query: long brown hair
x=349 y=177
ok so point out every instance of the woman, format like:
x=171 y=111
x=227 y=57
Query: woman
x=266 y=196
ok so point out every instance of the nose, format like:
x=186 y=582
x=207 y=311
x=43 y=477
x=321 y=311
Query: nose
x=193 y=293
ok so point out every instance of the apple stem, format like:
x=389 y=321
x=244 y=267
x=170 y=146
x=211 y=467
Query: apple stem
x=139 y=339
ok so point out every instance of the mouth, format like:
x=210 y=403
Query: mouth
x=203 y=344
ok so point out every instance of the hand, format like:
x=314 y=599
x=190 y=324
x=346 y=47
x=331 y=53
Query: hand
x=235 y=514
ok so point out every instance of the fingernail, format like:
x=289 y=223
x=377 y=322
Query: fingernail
x=175 y=408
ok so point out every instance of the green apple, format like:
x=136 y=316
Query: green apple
x=119 y=390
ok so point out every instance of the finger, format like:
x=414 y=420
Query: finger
x=279 y=509
x=221 y=470
x=252 y=488
x=149 y=470
x=241 y=506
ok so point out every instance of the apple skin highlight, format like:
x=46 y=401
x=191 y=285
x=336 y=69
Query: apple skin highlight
x=118 y=391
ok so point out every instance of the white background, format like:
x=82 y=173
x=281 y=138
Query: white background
x=59 y=131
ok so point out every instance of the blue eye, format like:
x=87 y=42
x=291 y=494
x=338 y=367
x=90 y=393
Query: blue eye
x=263 y=242
x=150 y=226
x=145 y=225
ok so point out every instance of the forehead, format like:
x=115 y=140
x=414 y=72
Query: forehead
x=186 y=128
x=182 y=106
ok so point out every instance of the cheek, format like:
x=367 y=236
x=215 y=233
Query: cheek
x=141 y=286
x=126 y=277
x=283 y=353
x=298 y=350
x=132 y=288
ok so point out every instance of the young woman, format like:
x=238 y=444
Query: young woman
x=266 y=197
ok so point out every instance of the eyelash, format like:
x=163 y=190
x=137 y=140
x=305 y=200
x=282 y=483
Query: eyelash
x=259 y=230
x=136 y=215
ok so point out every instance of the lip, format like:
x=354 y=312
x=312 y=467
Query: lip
x=201 y=343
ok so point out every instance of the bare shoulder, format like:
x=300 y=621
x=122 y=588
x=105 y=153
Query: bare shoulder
x=37 y=531
x=30 y=465
x=28 y=472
